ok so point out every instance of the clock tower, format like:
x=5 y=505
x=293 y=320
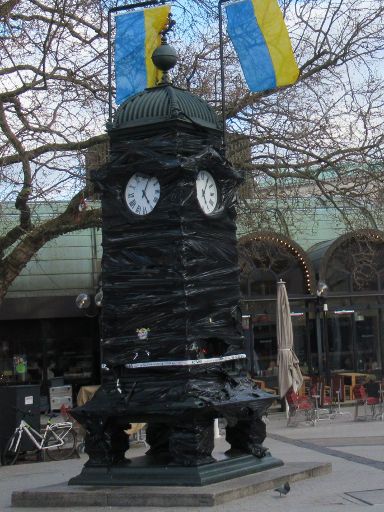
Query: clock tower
x=172 y=344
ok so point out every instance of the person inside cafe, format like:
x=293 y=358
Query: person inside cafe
x=272 y=368
x=372 y=388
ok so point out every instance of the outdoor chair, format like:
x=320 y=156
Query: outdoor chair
x=369 y=403
x=323 y=404
x=337 y=392
x=327 y=395
x=299 y=406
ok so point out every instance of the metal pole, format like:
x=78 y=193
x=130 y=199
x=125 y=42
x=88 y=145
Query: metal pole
x=246 y=323
x=110 y=11
x=326 y=343
x=222 y=74
x=319 y=336
x=109 y=68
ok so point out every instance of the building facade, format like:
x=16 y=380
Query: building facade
x=335 y=287
x=43 y=334
x=336 y=296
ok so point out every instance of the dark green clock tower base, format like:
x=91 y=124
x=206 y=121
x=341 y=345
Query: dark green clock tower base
x=179 y=408
x=170 y=269
x=155 y=472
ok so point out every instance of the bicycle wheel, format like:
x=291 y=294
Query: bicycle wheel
x=66 y=450
x=11 y=450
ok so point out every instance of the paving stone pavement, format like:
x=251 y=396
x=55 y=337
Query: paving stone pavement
x=355 y=449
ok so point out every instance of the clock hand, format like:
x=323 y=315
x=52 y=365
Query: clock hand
x=203 y=191
x=203 y=194
x=144 y=189
x=145 y=195
x=205 y=188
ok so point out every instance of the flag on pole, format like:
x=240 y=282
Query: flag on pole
x=260 y=37
x=137 y=36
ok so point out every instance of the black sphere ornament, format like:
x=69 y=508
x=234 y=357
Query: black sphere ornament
x=164 y=57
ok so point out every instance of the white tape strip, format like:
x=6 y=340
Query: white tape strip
x=187 y=362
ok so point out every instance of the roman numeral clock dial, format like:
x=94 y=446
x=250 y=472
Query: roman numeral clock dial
x=142 y=193
x=206 y=190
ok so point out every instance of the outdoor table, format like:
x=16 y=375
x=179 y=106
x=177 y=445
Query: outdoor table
x=338 y=409
x=353 y=377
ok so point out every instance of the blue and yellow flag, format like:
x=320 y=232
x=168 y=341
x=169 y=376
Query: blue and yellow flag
x=260 y=37
x=137 y=36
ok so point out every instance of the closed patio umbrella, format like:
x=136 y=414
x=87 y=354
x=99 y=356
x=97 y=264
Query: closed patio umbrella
x=287 y=361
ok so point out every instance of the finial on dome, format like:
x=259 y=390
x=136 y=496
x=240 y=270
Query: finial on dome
x=165 y=56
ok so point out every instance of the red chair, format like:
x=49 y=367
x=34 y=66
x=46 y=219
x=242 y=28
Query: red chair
x=315 y=387
x=361 y=397
x=327 y=396
x=299 y=405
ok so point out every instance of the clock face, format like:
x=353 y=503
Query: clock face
x=206 y=190
x=142 y=193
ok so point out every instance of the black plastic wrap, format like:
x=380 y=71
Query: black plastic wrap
x=164 y=396
x=192 y=444
x=175 y=270
x=179 y=407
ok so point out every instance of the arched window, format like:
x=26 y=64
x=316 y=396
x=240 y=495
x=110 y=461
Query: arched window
x=264 y=259
x=355 y=263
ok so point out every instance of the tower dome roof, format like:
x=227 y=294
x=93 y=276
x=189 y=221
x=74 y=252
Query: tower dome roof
x=163 y=104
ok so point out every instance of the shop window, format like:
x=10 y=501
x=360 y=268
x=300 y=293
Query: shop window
x=299 y=327
x=381 y=280
x=353 y=335
x=21 y=352
x=265 y=342
x=35 y=351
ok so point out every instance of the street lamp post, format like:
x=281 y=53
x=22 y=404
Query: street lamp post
x=248 y=336
x=91 y=307
x=322 y=341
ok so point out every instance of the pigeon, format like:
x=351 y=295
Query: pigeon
x=284 y=489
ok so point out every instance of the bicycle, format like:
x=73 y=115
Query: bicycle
x=58 y=440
